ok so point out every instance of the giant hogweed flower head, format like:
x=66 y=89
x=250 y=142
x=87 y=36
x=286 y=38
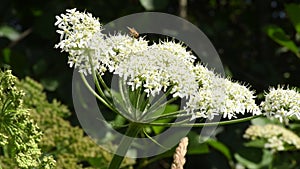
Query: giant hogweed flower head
x=219 y=96
x=120 y=47
x=182 y=78
x=78 y=33
x=157 y=68
x=177 y=49
x=81 y=36
x=282 y=104
x=76 y=29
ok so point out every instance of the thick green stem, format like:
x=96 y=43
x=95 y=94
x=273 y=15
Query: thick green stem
x=131 y=133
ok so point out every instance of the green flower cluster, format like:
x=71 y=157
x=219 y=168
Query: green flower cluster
x=68 y=144
x=34 y=131
x=19 y=134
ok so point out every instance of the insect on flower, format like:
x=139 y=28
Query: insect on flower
x=133 y=32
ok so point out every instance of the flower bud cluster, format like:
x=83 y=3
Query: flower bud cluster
x=277 y=138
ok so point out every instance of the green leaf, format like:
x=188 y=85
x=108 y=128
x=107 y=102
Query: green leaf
x=171 y=108
x=293 y=12
x=151 y=5
x=159 y=129
x=258 y=143
x=168 y=109
x=266 y=160
x=195 y=147
x=279 y=36
x=118 y=122
x=220 y=147
x=9 y=32
x=245 y=162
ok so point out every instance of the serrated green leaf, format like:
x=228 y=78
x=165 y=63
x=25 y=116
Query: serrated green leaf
x=279 y=36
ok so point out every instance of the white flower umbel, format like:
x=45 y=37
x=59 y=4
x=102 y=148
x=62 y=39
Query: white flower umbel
x=119 y=48
x=177 y=49
x=164 y=66
x=156 y=69
x=219 y=96
x=277 y=138
x=80 y=34
x=182 y=78
x=282 y=104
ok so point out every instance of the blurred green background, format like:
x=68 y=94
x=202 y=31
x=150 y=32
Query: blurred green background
x=237 y=29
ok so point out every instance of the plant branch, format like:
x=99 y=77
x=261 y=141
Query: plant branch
x=131 y=133
x=204 y=124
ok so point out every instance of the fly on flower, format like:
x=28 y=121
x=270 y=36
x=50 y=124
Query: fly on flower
x=133 y=32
